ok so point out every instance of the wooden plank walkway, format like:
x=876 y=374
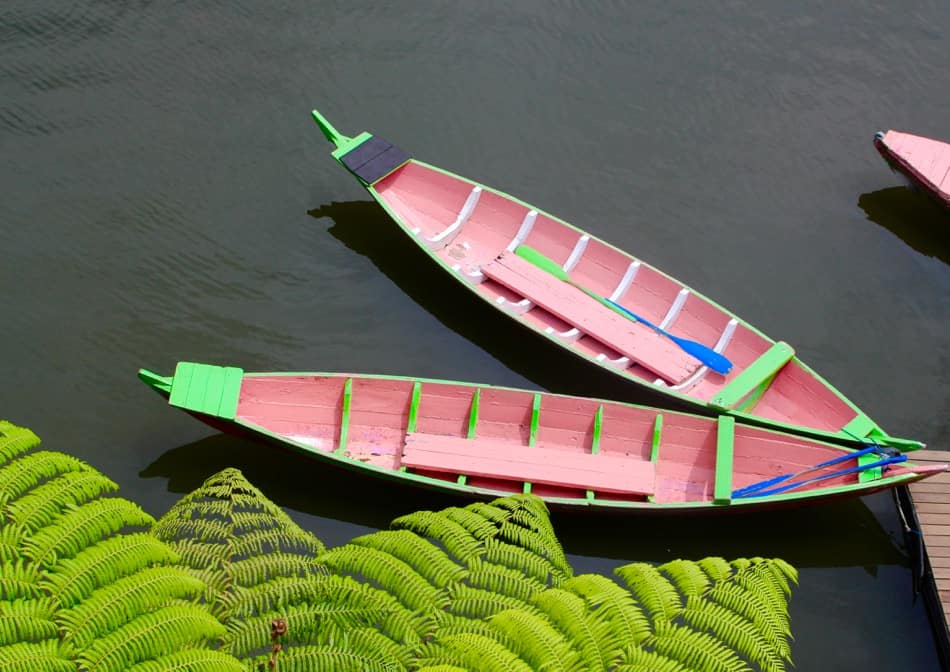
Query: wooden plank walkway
x=930 y=499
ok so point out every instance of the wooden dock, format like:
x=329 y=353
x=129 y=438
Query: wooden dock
x=927 y=510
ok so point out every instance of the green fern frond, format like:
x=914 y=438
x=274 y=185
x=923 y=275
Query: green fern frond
x=495 y=514
x=503 y=580
x=269 y=596
x=35 y=657
x=82 y=527
x=590 y=637
x=456 y=540
x=517 y=557
x=613 y=605
x=429 y=560
x=324 y=659
x=18 y=580
x=537 y=641
x=202 y=529
x=717 y=569
x=149 y=636
x=26 y=621
x=73 y=579
x=636 y=659
x=11 y=536
x=15 y=441
x=447 y=623
x=110 y=607
x=477 y=603
x=652 y=590
x=191 y=660
x=368 y=641
x=25 y=473
x=541 y=542
x=441 y=668
x=735 y=631
x=276 y=540
x=44 y=503
x=478 y=652
x=688 y=576
x=696 y=650
x=253 y=571
x=388 y=572
x=473 y=521
x=773 y=626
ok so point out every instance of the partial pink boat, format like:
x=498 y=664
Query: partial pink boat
x=486 y=441
x=925 y=162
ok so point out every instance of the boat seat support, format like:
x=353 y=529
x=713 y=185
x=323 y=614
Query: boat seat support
x=758 y=372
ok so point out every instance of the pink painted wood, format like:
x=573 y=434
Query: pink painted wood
x=427 y=199
x=535 y=464
x=641 y=344
x=925 y=160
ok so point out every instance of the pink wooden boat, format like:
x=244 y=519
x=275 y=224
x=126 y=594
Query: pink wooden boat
x=487 y=441
x=925 y=162
x=597 y=301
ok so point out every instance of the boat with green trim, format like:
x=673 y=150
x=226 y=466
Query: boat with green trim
x=574 y=452
x=599 y=302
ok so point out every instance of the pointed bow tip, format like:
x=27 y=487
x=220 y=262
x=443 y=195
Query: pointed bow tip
x=328 y=130
x=155 y=381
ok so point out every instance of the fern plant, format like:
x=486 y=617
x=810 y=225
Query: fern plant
x=82 y=586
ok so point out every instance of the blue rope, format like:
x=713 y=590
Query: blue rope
x=843 y=472
x=749 y=489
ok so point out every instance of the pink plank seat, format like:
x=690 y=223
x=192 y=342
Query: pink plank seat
x=503 y=460
x=638 y=342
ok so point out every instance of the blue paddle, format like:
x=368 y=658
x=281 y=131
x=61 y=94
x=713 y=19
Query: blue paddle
x=704 y=354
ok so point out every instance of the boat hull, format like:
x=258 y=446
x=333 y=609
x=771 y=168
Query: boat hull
x=476 y=234
x=924 y=162
x=480 y=441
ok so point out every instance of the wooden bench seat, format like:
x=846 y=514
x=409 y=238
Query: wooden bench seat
x=638 y=342
x=492 y=458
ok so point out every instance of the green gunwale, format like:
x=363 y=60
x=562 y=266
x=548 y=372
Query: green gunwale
x=163 y=386
x=875 y=433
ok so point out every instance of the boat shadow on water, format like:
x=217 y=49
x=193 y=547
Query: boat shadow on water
x=366 y=229
x=911 y=216
x=844 y=533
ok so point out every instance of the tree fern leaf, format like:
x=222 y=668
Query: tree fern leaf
x=688 y=576
x=477 y=603
x=255 y=570
x=269 y=596
x=25 y=473
x=324 y=659
x=44 y=503
x=773 y=627
x=735 y=631
x=26 y=621
x=279 y=540
x=473 y=521
x=447 y=623
x=151 y=635
x=428 y=560
x=503 y=580
x=542 y=543
x=696 y=650
x=636 y=659
x=371 y=642
x=34 y=657
x=537 y=641
x=612 y=605
x=590 y=637
x=495 y=514
x=652 y=590
x=516 y=557
x=441 y=668
x=202 y=529
x=388 y=572
x=11 y=536
x=73 y=579
x=18 y=579
x=82 y=527
x=717 y=569
x=110 y=607
x=481 y=653
x=191 y=660
x=456 y=540
x=15 y=441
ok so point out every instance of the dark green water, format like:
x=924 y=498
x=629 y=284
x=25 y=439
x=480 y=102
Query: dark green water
x=166 y=196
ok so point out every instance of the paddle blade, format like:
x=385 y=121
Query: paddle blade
x=532 y=256
x=708 y=356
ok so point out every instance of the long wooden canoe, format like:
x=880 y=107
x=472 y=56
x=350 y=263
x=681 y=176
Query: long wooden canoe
x=924 y=162
x=485 y=441
x=478 y=235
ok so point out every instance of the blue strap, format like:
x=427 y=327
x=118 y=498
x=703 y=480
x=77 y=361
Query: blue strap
x=749 y=489
x=843 y=472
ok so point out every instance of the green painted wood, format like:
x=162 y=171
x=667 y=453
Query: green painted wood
x=414 y=407
x=758 y=372
x=345 y=417
x=473 y=414
x=869 y=474
x=205 y=388
x=535 y=415
x=598 y=430
x=657 y=432
x=859 y=427
x=725 y=438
